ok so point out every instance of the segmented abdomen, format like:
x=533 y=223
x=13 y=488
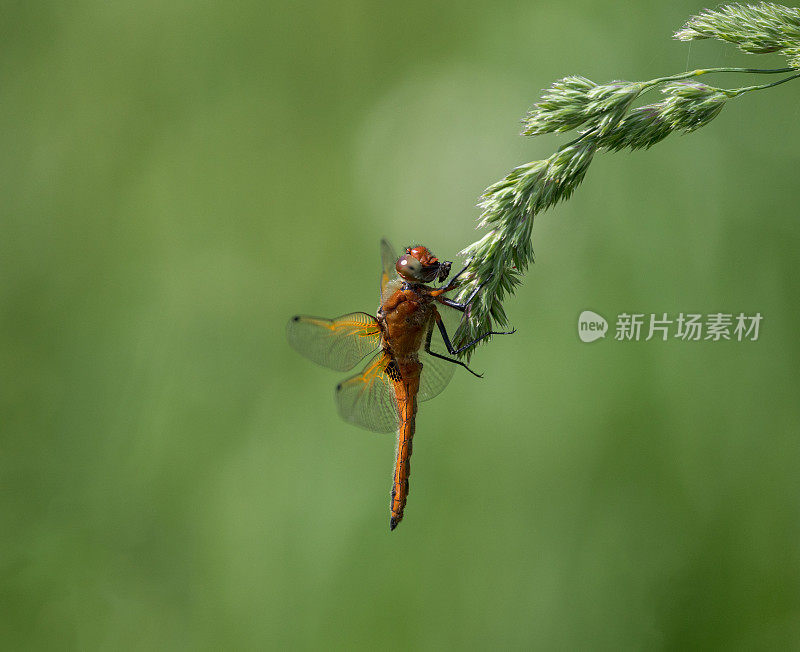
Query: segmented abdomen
x=406 y=386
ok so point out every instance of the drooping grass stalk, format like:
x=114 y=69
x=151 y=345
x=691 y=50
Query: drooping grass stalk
x=606 y=120
x=757 y=29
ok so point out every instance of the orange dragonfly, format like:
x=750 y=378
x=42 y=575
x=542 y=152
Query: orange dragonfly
x=406 y=364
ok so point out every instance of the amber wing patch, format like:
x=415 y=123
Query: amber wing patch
x=339 y=343
x=368 y=398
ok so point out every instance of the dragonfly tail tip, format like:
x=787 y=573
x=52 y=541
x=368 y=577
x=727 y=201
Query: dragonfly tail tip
x=393 y=523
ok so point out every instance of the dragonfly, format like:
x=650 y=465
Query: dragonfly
x=405 y=364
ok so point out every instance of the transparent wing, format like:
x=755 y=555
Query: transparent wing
x=368 y=399
x=436 y=373
x=388 y=260
x=339 y=343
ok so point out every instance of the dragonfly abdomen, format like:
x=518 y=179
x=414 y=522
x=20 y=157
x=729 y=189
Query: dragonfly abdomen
x=406 y=388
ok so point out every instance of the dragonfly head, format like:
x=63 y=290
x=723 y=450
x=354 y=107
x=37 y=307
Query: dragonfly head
x=419 y=265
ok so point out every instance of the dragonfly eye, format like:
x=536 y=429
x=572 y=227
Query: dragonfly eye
x=409 y=267
x=418 y=265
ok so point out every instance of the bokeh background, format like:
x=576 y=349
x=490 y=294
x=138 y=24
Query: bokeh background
x=178 y=178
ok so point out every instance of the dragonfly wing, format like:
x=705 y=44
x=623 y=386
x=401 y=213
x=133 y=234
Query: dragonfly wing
x=388 y=260
x=436 y=373
x=339 y=343
x=368 y=399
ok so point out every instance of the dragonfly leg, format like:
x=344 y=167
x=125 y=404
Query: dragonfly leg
x=451 y=284
x=455 y=304
x=442 y=357
x=452 y=350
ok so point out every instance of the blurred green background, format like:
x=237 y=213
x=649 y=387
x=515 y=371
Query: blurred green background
x=179 y=178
